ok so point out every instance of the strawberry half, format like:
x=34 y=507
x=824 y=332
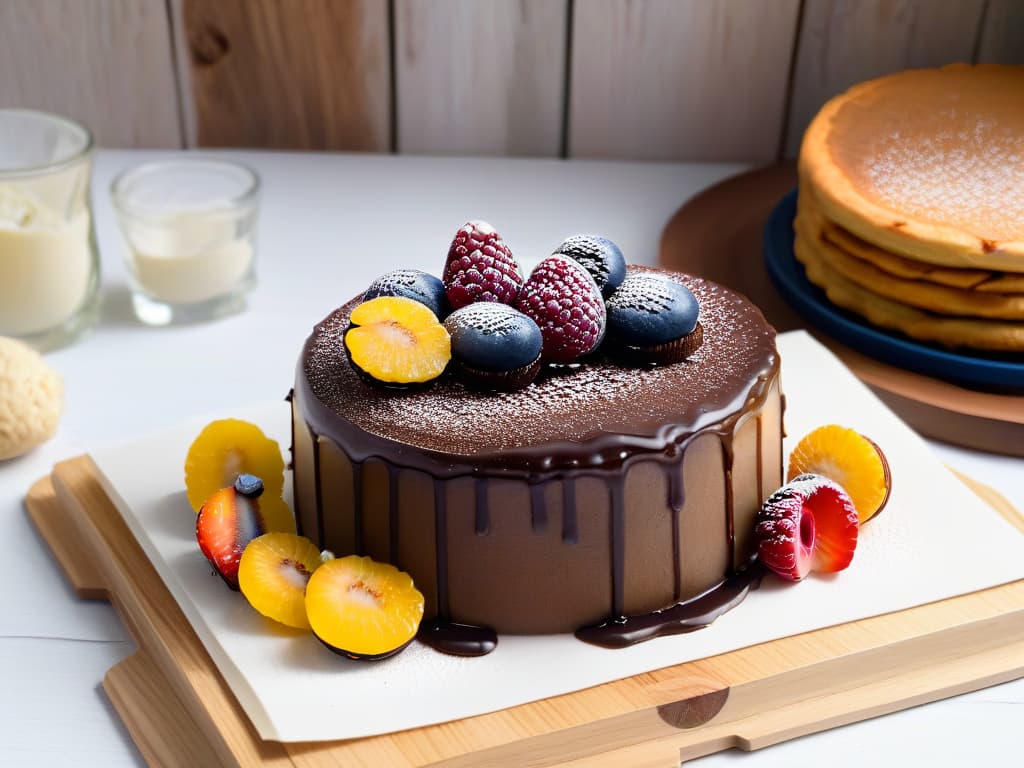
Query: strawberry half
x=808 y=524
x=234 y=516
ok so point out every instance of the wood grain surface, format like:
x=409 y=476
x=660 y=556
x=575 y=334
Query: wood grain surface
x=680 y=79
x=748 y=698
x=843 y=42
x=105 y=63
x=306 y=74
x=1001 y=40
x=690 y=80
x=480 y=78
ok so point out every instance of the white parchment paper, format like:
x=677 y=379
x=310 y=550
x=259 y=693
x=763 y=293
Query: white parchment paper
x=934 y=540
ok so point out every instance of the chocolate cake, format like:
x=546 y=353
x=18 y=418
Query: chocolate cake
x=588 y=502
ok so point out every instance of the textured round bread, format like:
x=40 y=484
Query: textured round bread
x=31 y=399
x=926 y=163
x=598 y=492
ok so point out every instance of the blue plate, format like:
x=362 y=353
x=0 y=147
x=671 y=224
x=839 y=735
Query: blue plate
x=977 y=371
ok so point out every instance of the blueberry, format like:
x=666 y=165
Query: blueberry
x=649 y=309
x=600 y=257
x=490 y=336
x=249 y=486
x=411 y=284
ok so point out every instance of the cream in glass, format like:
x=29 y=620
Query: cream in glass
x=188 y=227
x=49 y=266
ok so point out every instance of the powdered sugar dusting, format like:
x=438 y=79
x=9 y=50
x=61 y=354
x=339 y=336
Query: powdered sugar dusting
x=564 y=404
x=648 y=294
x=941 y=146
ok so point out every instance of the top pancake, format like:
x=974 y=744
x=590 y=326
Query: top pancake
x=926 y=163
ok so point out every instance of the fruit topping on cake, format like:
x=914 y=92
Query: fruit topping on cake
x=411 y=284
x=226 y=449
x=397 y=341
x=232 y=517
x=363 y=609
x=810 y=524
x=649 y=318
x=495 y=346
x=849 y=458
x=273 y=574
x=565 y=302
x=652 y=318
x=600 y=257
x=480 y=267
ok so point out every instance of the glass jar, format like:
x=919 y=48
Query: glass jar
x=49 y=263
x=189 y=227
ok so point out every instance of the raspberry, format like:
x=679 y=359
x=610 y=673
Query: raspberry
x=808 y=524
x=480 y=267
x=563 y=299
x=785 y=535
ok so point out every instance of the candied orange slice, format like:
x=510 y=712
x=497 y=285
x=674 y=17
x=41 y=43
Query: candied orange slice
x=273 y=574
x=363 y=609
x=395 y=340
x=850 y=459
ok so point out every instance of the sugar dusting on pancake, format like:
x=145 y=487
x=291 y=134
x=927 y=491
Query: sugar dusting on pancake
x=942 y=146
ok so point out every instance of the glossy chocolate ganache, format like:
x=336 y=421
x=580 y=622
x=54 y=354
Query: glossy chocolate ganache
x=615 y=502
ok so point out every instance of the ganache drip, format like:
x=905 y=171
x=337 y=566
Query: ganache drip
x=441 y=547
x=676 y=500
x=538 y=508
x=457 y=639
x=570 y=516
x=392 y=513
x=482 y=520
x=357 y=505
x=617 y=521
x=687 y=616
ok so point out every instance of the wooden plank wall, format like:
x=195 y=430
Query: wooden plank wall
x=107 y=63
x=638 y=79
x=680 y=79
x=296 y=74
x=476 y=77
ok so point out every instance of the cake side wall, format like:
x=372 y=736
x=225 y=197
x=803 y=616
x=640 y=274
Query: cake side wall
x=523 y=573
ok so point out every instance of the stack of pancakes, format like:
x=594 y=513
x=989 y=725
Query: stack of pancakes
x=911 y=204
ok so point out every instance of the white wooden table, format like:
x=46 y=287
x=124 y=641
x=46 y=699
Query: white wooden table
x=329 y=225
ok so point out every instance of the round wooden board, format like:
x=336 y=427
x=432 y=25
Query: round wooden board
x=718 y=234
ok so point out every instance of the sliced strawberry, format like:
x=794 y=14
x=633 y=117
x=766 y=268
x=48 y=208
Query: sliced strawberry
x=808 y=524
x=234 y=516
x=836 y=524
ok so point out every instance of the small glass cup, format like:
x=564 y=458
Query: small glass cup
x=189 y=227
x=49 y=263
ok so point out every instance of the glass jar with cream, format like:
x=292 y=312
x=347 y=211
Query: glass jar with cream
x=189 y=228
x=49 y=264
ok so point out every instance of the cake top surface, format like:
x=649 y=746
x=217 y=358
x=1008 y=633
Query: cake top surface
x=943 y=146
x=564 y=409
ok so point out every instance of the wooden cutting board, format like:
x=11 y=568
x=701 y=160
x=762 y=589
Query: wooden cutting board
x=180 y=712
x=719 y=234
